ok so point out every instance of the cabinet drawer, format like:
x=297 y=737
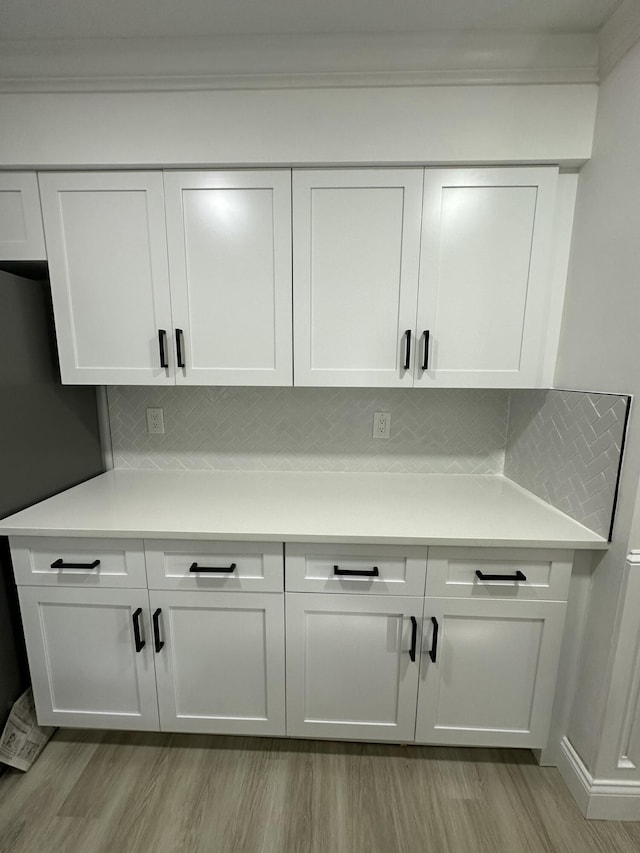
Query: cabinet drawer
x=232 y=566
x=44 y=561
x=382 y=570
x=513 y=573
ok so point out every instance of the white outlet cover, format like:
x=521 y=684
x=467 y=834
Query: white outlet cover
x=155 y=421
x=382 y=425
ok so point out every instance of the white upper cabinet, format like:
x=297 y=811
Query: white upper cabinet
x=485 y=277
x=21 y=235
x=401 y=277
x=478 y=274
x=109 y=276
x=229 y=241
x=356 y=254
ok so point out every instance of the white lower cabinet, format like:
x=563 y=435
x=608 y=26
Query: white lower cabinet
x=219 y=661
x=86 y=667
x=474 y=664
x=350 y=673
x=488 y=671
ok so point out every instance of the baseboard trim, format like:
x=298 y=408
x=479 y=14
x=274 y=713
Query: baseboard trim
x=597 y=799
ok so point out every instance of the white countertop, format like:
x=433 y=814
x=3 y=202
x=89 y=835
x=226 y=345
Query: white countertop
x=416 y=509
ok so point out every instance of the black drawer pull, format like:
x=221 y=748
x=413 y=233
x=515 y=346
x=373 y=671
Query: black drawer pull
x=140 y=643
x=194 y=567
x=517 y=577
x=407 y=351
x=356 y=573
x=414 y=638
x=180 y=347
x=60 y=564
x=434 y=641
x=162 y=343
x=157 y=642
x=425 y=355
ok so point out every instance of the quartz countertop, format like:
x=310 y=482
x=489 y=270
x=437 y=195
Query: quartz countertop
x=403 y=509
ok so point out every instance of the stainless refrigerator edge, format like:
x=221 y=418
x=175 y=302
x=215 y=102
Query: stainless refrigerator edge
x=49 y=441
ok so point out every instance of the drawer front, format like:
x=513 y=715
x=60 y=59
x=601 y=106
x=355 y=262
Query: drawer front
x=381 y=570
x=61 y=561
x=232 y=566
x=513 y=573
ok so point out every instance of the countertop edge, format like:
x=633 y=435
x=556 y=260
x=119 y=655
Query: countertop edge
x=234 y=536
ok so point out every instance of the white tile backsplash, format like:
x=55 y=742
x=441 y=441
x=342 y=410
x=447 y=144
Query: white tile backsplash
x=564 y=446
x=309 y=429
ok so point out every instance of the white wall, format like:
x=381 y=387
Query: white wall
x=599 y=352
x=437 y=124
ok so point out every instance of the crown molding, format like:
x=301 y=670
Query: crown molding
x=618 y=35
x=112 y=65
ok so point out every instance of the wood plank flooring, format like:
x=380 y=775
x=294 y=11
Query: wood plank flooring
x=111 y=792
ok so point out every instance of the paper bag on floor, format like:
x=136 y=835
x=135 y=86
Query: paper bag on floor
x=23 y=739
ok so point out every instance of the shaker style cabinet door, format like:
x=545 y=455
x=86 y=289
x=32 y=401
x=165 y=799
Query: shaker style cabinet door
x=485 y=276
x=21 y=235
x=229 y=238
x=91 y=657
x=493 y=679
x=107 y=250
x=220 y=661
x=350 y=673
x=356 y=238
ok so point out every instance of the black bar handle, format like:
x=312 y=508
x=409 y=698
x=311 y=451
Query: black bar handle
x=194 y=567
x=356 y=573
x=518 y=576
x=60 y=564
x=434 y=641
x=407 y=349
x=140 y=643
x=414 y=638
x=162 y=343
x=157 y=642
x=425 y=354
x=180 y=347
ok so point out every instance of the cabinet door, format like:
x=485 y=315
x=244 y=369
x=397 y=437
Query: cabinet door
x=84 y=666
x=485 y=276
x=493 y=679
x=21 y=235
x=221 y=669
x=107 y=251
x=349 y=670
x=356 y=237
x=229 y=236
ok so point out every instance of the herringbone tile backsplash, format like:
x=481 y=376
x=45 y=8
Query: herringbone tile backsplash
x=564 y=446
x=309 y=429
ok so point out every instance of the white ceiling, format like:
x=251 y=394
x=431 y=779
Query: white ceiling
x=47 y=19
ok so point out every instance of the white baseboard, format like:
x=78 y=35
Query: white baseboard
x=598 y=799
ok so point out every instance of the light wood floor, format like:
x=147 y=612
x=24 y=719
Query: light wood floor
x=96 y=792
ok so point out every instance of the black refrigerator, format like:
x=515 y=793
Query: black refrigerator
x=49 y=441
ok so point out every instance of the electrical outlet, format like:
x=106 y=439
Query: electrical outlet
x=382 y=425
x=155 y=421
